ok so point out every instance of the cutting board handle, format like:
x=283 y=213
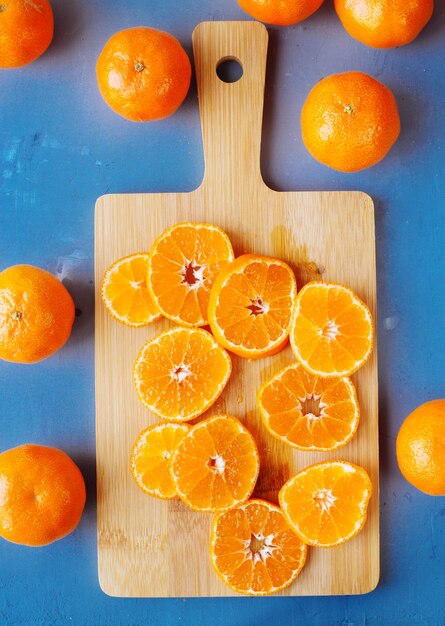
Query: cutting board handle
x=231 y=113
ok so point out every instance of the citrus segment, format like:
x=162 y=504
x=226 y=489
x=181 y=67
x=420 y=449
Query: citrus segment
x=326 y=504
x=216 y=465
x=332 y=330
x=251 y=305
x=183 y=264
x=253 y=549
x=151 y=459
x=125 y=294
x=180 y=373
x=308 y=412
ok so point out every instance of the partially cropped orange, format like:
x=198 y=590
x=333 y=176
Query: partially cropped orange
x=350 y=121
x=332 y=331
x=151 y=458
x=308 y=412
x=26 y=31
x=36 y=314
x=125 y=293
x=182 y=266
x=216 y=465
x=42 y=495
x=326 y=504
x=421 y=448
x=280 y=12
x=384 y=23
x=251 y=305
x=143 y=74
x=180 y=373
x=254 y=550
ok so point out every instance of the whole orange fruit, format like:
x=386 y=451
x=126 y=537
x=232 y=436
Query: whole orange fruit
x=384 y=23
x=350 y=121
x=42 y=495
x=36 y=314
x=280 y=12
x=420 y=448
x=143 y=74
x=26 y=30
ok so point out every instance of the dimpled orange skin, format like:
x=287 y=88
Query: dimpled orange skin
x=36 y=314
x=280 y=12
x=350 y=121
x=143 y=74
x=421 y=448
x=42 y=495
x=384 y=23
x=26 y=31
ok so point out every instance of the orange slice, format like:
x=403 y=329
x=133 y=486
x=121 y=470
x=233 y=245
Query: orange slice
x=332 y=331
x=251 y=305
x=180 y=373
x=125 y=294
x=308 y=412
x=253 y=549
x=326 y=504
x=216 y=465
x=151 y=459
x=182 y=266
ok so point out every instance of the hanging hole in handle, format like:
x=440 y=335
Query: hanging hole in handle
x=229 y=70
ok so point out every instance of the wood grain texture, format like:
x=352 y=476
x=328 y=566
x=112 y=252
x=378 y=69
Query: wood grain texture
x=152 y=548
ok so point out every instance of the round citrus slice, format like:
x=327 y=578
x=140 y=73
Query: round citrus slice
x=151 y=459
x=125 y=294
x=326 y=504
x=180 y=373
x=183 y=264
x=309 y=412
x=251 y=304
x=254 y=550
x=332 y=330
x=216 y=465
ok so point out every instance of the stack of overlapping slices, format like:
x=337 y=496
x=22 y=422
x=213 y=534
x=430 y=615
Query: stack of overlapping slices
x=251 y=304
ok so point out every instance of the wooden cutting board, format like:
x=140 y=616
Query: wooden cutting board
x=150 y=548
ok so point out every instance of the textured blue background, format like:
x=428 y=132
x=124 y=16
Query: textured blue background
x=61 y=148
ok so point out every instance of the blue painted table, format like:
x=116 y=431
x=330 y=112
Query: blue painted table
x=61 y=147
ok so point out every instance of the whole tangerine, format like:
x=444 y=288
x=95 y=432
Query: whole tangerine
x=26 y=31
x=420 y=448
x=36 y=314
x=384 y=23
x=42 y=495
x=143 y=74
x=350 y=121
x=280 y=12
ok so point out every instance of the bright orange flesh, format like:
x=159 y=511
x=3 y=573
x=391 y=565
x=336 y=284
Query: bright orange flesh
x=125 y=294
x=42 y=495
x=308 y=412
x=251 y=305
x=183 y=264
x=36 y=314
x=180 y=373
x=253 y=549
x=151 y=459
x=332 y=330
x=350 y=121
x=143 y=74
x=280 y=12
x=326 y=504
x=26 y=31
x=216 y=465
x=384 y=23
x=421 y=448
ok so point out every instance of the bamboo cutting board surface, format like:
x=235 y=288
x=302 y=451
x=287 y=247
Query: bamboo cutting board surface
x=152 y=548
